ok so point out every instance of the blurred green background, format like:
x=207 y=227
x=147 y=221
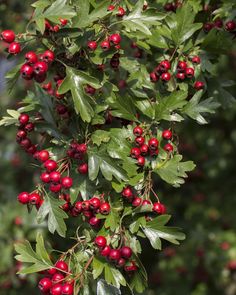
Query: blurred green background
x=204 y=207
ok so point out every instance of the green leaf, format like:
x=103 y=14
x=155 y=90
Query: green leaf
x=38 y=259
x=56 y=216
x=104 y=289
x=10 y=120
x=100 y=136
x=112 y=220
x=98 y=267
x=75 y=81
x=174 y=171
x=113 y=276
x=194 y=109
x=138 y=283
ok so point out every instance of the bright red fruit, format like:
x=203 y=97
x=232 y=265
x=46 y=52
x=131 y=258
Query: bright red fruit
x=14 y=48
x=138 y=131
x=164 y=65
x=167 y=134
x=62 y=265
x=153 y=143
x=48 y=56
x=83 y=168
x=55 y=176
x=105 y=45
x=23 y=119
x=63 y=21
x=31 y=57
x=56 y=289
x=137 y=202
x=40 y=68
x=45 y=285
x=189 y=72
x=92 y=45
x=105 y=251
x=230 y=26
x=94 y=203
x=114 y=255
x=27 y=72
x=196 y=59
x=105 y=208
x=115 y=39
x=165 y=77
x=126 y=252
x=67 y=182
x=198 y=85
x=34 y=199
x=100 y=241
x=43 y=155
x=168 y=147
x=8 y=36
x=121 y=12
x=141 y=161
x=23 y=198
x=67 y=289
x=135 y=152
x=50 y=165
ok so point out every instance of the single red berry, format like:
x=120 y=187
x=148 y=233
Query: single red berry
x=23 y=198
x=51 y=271
x=126 y=252
x=31 y=58
x=121 y=12
x=67 y=289
x=154 y=77
x=146 y=202
x=189 y=72
x=137 y=202
x=169 y=7
x=144 y=149
x=56 y=28
x=230 y=26
x=180 y=76
x=207 y=27
x=135 y=152
x=40 y=68
x=131 y=268
x=26 y=143
x=40 y=78
x=8 y=36
x=168 y=147
x=167 y=134
x=95 y=222
x=14 y=48
x=110 y=7
x=27 y=72
x=55 y=176
x=94 y=203
x=78 y=206
x=63 y=21
x=43 y=156
x=105 y=251
x=127 y=193
x=164 y=65
x=141 y=161
x=66 y=207
x=100 y=241
x=55 y=187
x=182 y=65
x=29 y=127
x=62 y=265
x=45 y=177
x=105 y=208
x=159 y=208
x=81 y=148
x=56 y=289
x=45 y=285
x=139 y=140
x=165 y=77
x=67 y=182
x=121 y=262
x=86 y=205
x=138 y=131
x=218 y=23
x=50 y=165
x=34 y=199
x=23 y=119
x=21 y=134
x=83 y=168
x=196 y=59
x=48 y=56
x=115 y=39
x=88 y=214
x=90 y=89
x=114 y=255
x=47 y=86
x=198 y=85
x=153 y=143
x=105 y=45
x=92 y=45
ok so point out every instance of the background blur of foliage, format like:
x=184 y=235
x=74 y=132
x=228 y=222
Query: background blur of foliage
x=204 y=207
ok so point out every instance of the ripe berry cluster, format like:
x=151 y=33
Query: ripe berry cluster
x=9 y=36
x=36 y=66
x=120 y=257
x=120 y=10
x=106 y=44
x=55 y=28
x=229 y=26
x=54 y=91
x=57 y=281
x=78 y=152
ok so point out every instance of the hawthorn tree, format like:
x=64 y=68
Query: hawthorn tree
x=112 y=82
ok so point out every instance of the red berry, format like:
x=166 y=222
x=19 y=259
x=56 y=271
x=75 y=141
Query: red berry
x=67 y=289
x=144 y=149
x=198 y=85
x=121 y=12
x=115 y=39
x=110 y=7
x=90 y=90
x=26 y=143
x=137 y=202
x=86 y=205
x=83 y=168
x=29 y=127
x=40 y=78
x=47 y=86
x=196 y=59
x=67 y=182
x=168 y=147
x=189 y=72
x=164 y=65
x=100 y=241
x=207 y=27
x=55 y=187
x=56 y=28
x=138 y=131
x=14 y=48
x=146 y=202
x=165 y=77
x=105 y=45
x=127 y=193
x=43 y=156
x=51 y=271
x=141 y=161
x=48 y=56
x=63 y=21
x=105 y=208
x=21 y=134
x=40 y=68
x=34 y=199
x=8 y=36
x=62 y=265
x=126 y=252
x=153 y=143
x=139 y=140
x=45 y=177
x=94 y=203
x=159 y=208
x=154 y=77
x=55 y=176
x=169 y=7
x=114 y=255
x=180 y=76
x=88 y=214
x=50 y=165
x=131 y=268
x=23 y=119
x=230 y=26
x=94 y=221
x=182 y=65
x=23 y=198
x=167 y=134
x=27 y=72
x=45 y=285
x=78 y=206
x=56 y=289
x=135 y=153
x=105 y=251
x=92 y=45
x=31 y=57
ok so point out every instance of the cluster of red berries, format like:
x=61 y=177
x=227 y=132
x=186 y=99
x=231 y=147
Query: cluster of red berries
x=120 y=10
x=78 y=151
x=33 y=198
x=36 y=66
x=55 y=28
x=129 y=196
x=106 y=44
x=89 y=208
x=120 y=257
x=172 y=6
x=229 y=26
x=9 y=36
x=54 y=91
x=56 y=280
